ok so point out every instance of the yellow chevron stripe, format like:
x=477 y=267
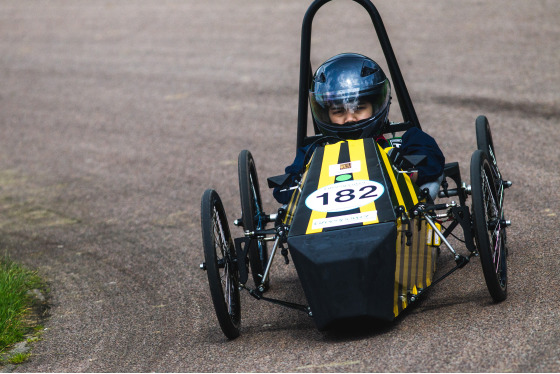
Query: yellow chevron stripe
x=414 y=253
x=405 y=270
x=397 y=268
x=408 y=181
x=357 y=152
x=330 y=157
x=391 y=175
x=410 y=189
x=294 y=200
x=432 y=256
x=291 y=207
x=422 y=266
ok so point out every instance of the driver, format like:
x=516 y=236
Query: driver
x=350 y=98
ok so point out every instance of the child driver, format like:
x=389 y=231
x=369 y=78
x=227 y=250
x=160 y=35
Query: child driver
x=350 y=98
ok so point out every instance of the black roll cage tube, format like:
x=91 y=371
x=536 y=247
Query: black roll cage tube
x=306 y=74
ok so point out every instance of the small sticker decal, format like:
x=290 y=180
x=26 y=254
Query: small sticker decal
x=339 y=197
x=349 y=219
x=343 y=177
x=345 y=168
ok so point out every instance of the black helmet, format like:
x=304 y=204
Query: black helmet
x=346 y=82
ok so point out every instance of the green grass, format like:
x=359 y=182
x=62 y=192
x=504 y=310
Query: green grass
x=18 y=358
x=15 y=303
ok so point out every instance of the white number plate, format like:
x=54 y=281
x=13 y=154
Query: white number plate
x=339 y=197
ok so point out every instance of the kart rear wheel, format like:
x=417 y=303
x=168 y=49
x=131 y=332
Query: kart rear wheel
x=252 y=215
x=219 y=256
x=489 y=226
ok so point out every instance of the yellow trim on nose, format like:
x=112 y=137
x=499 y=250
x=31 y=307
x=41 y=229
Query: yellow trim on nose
x=391 y=175
x=330 y=157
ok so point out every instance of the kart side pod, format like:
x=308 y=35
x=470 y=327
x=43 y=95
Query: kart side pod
x=350 y=250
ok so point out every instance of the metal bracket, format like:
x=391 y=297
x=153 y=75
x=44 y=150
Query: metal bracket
x=241 y=248
x=258 y=295
x=400 y=212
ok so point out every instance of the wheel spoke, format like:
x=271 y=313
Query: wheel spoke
x=258 y=211
x=219 y=254
x=228 y=288
x=258 y=218
x=488 y=198
x=253 y=215
x=222 y=251
x=496 y=244
x=492 y=212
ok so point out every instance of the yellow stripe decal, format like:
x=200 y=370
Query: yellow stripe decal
x=330 y=157
x=410 y=189
x=413 y=259
x=405 y=270
x=432 y=256
x=357 y=152
x=424 y=250
x=391 y=175
x=294 y=200
x=396 y=309
x=291 y=207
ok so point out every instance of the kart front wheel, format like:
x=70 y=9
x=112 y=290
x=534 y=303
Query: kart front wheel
x=219 y=257
x=484 y=143
x=252 y=215
x=489 y=226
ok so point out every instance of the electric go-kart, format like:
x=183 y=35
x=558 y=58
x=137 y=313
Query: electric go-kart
x=363 y=238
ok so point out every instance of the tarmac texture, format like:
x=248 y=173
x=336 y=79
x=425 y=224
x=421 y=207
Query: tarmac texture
x=115 y=117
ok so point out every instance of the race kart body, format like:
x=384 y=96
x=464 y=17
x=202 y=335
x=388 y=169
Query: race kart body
x=363 y=237
x=356 y=252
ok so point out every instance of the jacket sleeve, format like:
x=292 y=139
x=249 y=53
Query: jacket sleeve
x=295 y=170
x=417 y=142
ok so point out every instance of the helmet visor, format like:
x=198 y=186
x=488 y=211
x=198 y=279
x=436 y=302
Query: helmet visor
x=331 y=106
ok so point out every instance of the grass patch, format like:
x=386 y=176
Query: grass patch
x=15 y=302
x=18 y=358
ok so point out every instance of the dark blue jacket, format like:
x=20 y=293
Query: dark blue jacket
x=295 y=170
x=417 y=142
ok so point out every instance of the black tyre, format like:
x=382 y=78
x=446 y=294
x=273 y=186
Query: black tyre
x=219 y=255
x=252 y=214
x=489 y=226
x=484 y=143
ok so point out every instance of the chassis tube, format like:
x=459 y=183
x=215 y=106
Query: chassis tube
x=306 y=73
x=265 y=275
x=431 y=223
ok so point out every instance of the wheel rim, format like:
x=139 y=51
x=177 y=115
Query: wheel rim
x=253 y=216
x=225 y=271
x=486 y=144
x=494 y=229
x=257 y=216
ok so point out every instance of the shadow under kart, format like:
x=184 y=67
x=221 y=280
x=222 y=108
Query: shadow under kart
x=363 y=238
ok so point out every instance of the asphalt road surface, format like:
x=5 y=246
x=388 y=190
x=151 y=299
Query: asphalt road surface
x=115 y=117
